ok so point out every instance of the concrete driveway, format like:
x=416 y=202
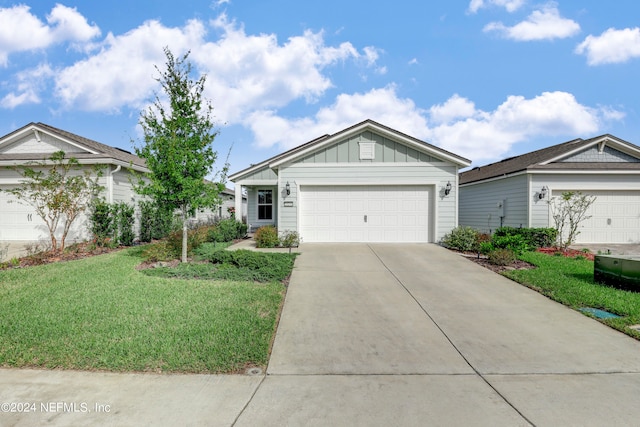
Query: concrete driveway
x=416 y=335
x=379 y=335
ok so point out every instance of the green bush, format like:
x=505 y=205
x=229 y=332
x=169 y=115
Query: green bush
x=267 y=237
x=514 y=243
x=533 y=237
x=159 y=251
x=156 y=222
x=123 y=223
x=502 y=257
x=101 y=222
x=227 y=230
x=462 y=238
x=263 y=266
x=195 y=238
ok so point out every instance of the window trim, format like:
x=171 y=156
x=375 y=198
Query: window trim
x=258 y=204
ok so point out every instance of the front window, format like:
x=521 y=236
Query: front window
x=265 y=204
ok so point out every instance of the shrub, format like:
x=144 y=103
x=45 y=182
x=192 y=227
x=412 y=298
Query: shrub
x=227 y=230
x=290 y=239
x=123 y=223
x=267 y=237
x=533 y=237
x=160 y=251
x=461 y=238
x=156 y=222
x=502 y=257
x=258 y=266
x=195 y=238
x=101 y=222
x=514 y=243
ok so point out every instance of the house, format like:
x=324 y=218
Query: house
x=36 y=142
x=516 y=191
x=228 y=197
x=366 y=183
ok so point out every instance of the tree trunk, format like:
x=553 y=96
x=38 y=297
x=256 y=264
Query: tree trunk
x=184 y=234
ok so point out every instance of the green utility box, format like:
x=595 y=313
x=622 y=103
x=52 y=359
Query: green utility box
x=620 y=271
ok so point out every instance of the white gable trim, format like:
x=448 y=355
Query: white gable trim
x=601 y=143
x=37 y=131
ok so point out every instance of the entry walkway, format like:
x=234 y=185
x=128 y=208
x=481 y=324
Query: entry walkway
x=379 y=335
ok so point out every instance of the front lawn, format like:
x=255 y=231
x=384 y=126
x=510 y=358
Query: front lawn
x=100 y=313
x=570 y=282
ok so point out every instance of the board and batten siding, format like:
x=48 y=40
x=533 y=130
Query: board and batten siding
x=480 y=204
x=443 y=208
x=386 y=151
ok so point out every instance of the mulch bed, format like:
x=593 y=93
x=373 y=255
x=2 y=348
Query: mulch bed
x=522 y=265
x=74 y=252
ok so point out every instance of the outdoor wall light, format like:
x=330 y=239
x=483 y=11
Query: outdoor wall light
x=543 y=192
x=447 y=188
x=287 y=188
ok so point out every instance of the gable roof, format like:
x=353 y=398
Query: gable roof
x=327 y=140
x=548 y=159
x=92 y=151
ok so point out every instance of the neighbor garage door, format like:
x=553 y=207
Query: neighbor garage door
x=382 y=213
x=17 y=221
x=615 y=218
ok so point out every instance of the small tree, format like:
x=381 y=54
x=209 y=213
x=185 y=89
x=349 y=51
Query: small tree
x=177 y=145
x=59 y=191
x=568 y=212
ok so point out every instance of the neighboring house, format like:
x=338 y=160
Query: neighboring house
x=228 y=197
x=36 y=142
x=515 y=191
x=366 y=183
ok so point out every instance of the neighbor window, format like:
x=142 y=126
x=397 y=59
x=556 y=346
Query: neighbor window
x=265 y=204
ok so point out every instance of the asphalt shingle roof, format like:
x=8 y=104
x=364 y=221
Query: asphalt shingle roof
x=103 y=151
x=533 y=160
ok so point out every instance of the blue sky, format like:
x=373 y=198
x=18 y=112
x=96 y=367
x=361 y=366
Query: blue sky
x=485 y=79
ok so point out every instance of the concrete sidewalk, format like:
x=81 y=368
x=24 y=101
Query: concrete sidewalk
x=377 y=335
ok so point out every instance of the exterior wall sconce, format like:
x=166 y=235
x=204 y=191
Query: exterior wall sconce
x=287 y=189
x=543 y=192
x=447 y=188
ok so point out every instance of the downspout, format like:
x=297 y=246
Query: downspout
x=110 y=183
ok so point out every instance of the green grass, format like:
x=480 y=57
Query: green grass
x=570 y=282
x=101 y=313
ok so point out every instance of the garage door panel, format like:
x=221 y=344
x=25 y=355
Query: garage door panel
x=615 y=217
x=393 y=213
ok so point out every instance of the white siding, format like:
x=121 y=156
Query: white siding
x=436 y=175
x=480 y=204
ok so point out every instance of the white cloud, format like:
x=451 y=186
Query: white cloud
x=28 y=86
x=489 y=135
x=122 y=73
x=456 y=125
x=454 y=108
x=244 y=72
x=20 y=30
x=382 y=105
x=509 y=5
x=612 y=46
x=542 y=24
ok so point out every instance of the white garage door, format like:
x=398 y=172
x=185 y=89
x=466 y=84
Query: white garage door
x=384 y=213
x=17 y=221
x=615 y=218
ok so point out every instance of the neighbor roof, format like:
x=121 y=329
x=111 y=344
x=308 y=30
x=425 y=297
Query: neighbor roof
x=314 y=144
x=545 y=159
x=97 y=150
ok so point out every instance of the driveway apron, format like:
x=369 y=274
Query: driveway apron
x=412 y=334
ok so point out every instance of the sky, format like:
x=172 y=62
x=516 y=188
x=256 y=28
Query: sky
x=484 y=79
